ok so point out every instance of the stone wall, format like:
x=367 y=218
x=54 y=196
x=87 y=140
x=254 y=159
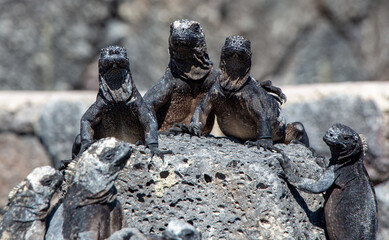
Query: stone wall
x=53 y=44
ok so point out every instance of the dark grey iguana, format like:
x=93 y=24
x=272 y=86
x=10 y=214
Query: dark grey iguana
x=89 y=209
x=28 y=205
x=245 y=109
x=187 y=79
x=350 y=207
x=119 y=110
x=176 y=230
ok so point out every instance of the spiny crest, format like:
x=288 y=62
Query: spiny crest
x=33 y=181
x=21 y=187
x=238 y=42
x=184 y=24
x=364 y=144
x=68 y=177
x=113 y=50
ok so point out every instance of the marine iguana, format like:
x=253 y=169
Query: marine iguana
x=119 y=110
x=89 y=209
x=28 y=205
x=176 y=230
x=245 y=109
x=187 y=79
x=350 y=207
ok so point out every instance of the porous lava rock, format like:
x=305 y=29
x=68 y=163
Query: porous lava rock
x=222 y=187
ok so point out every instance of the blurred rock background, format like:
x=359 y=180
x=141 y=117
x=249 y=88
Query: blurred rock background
x=54 y=45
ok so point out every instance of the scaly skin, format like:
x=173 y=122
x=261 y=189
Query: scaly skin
x=119 y=110
x=187 y=79
x=350 y=207
x=245 y=109
x=89 y=208
x=29 y=202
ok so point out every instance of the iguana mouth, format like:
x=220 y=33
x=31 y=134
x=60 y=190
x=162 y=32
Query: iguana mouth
x=232 y=65
x=184 y=47
x=333 y=143
x=236 y=51
x=121 y=161
x=184 y=41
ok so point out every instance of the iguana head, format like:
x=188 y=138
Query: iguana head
x=114 y=74
x=235 y=62
x=186 y=35
x=344 y=143
x=188 y=50
x=97 y=169
x=30 y=200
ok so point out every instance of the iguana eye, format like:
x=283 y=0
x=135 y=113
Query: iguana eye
x=123 y=64
x=46 y=181
x=346 y=138
x=105 y=63
x=190 y=234
x=195 y=27
x=109 y=155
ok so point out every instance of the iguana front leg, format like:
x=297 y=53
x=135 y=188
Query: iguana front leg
x=305 y=184
x=88 y=122
x=150 y=126
x=159 y=95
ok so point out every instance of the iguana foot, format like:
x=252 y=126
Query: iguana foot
x=155 y=151
x=279 y=95
x=287 y=174
x=266 y=144
x=183 y=128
